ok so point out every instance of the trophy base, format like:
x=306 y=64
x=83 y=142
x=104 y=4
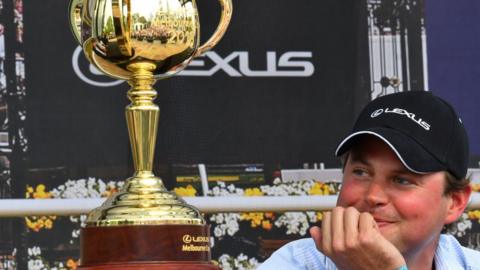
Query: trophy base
x=154 y=266
x=163 y=247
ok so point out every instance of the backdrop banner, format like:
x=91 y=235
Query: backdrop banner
x=453 y=55
x=282 y=87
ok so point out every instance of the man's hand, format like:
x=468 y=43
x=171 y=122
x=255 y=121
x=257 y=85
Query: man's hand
x=352 y=240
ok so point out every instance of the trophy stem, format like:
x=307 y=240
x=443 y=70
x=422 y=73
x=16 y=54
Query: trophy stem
x=143 y=200
x=142 y=117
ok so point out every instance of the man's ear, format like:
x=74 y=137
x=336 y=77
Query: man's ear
x=457 y=204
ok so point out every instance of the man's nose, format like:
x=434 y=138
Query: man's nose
x=376 y=194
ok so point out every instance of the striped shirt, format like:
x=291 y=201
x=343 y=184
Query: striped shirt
x=303 y=255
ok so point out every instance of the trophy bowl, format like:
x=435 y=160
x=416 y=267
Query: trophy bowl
x=143 y=226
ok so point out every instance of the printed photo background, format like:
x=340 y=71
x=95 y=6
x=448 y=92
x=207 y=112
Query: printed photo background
x=62 y=132
x=239 y=240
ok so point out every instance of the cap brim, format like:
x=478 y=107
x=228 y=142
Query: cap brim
x=413 y=156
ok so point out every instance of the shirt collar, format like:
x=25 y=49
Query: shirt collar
x=446 y=256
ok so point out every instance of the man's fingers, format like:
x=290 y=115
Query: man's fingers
x=352 y=239
x=351 y=226
x=367 y=225
x=316 y=234
x=338 y=233
x=327 y=233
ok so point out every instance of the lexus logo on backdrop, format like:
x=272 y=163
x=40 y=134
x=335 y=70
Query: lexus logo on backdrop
x=89 y=73
x=288 y=64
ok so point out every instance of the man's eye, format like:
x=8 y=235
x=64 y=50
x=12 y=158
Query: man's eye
x=402 y=180
x=359 y=172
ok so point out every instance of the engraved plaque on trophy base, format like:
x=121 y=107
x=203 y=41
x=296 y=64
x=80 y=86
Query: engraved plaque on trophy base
x=155 y=266
x=162 y=247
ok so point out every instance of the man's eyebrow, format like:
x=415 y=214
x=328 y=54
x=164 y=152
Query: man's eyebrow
x=403 y=170
x=358 y=157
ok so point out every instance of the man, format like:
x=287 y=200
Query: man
x=405 y=166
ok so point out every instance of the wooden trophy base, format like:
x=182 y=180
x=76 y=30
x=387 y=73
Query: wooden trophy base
x=154 y=266
x=146 y=247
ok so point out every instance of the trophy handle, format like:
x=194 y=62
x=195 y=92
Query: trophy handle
x=76 y=9
x=225 y=18
x=81 y=19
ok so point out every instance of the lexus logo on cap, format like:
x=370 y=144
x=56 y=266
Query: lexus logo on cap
x=89 y=73
x=425 y=125
x=376 y=113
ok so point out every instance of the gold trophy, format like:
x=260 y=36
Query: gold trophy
x=143 y=226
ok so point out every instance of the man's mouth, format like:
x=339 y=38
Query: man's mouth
x=382 y=222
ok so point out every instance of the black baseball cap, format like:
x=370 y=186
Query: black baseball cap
x=423 y=130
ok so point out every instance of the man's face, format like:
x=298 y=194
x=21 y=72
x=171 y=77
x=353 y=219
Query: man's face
x=410 y=209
